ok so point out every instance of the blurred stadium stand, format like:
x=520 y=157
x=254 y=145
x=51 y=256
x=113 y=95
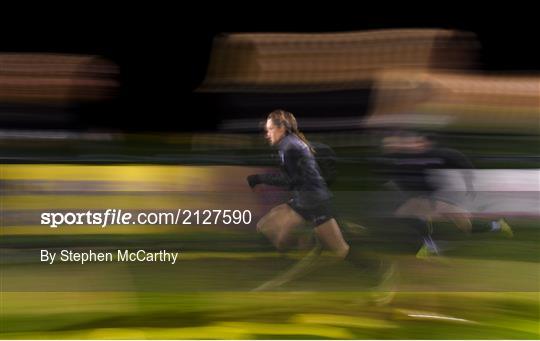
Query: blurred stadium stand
x=456 y=102
x=44 y=90
x=320 y=75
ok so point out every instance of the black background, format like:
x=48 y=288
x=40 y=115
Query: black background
x=162 y=52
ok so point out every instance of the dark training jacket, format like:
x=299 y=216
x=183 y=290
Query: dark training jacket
x=300 y=173
x=410 y=171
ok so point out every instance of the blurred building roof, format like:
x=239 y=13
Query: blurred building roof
x=456 y=101
x=321 y=61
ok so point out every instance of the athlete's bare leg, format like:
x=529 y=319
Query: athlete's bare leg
x=278 y=224
x=459 y=216
x=331 y=237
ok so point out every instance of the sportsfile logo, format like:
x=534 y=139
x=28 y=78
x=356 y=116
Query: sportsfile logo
x=119 y=217
x=109 y=217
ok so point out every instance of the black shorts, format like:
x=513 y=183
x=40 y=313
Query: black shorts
x=317 y=214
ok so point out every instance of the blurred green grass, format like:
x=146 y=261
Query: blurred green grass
x=275 y=315
x=208 y=296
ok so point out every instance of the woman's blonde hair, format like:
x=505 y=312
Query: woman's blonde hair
x=282 y=118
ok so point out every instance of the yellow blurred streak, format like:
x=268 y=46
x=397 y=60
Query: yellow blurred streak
x=132 y=188
x=205 y=332
x=93 y=229
x=112 y=229
x=113 y=333
x=242 y=255
x=342 y=320
x=183 y=174
x=46 y=203
x=479 y=304
x=15 y=303
x=224 y=330
x=225 y=255
x=197 y=333
x=290 y=329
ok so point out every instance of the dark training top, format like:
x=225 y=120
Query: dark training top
x=410 y=171
x=300 y=173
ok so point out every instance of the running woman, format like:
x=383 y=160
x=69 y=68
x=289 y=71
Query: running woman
x=311 y=199
x=310 y=202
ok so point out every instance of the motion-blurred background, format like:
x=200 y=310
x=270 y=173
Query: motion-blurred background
x=162 y=111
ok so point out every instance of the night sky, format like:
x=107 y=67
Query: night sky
x=162 y=53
